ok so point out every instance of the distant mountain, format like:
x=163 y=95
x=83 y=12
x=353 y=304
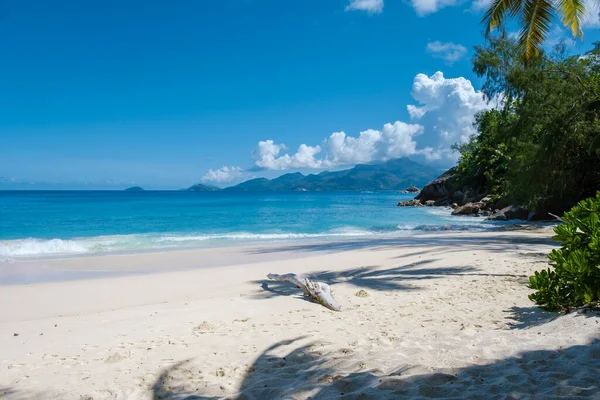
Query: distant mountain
x=135 y=189
x=202 y=188
x=392 y=175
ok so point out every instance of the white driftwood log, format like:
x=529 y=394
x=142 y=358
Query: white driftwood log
x=318 y=291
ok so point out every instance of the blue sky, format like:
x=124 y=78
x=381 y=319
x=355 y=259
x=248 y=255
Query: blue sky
x=158 y=93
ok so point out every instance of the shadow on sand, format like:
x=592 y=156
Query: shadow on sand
x=368 y=277
x=303 y=372
x=530 y=317
x=402 y=277
x=498 y=243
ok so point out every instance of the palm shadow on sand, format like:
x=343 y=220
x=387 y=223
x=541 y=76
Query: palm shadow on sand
x=532 y=316
x=303 y=372
x=453 y=241
x=404 y=277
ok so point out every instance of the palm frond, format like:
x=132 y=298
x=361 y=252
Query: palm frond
x=496 y=13
x=572 y=12
x=536 y=22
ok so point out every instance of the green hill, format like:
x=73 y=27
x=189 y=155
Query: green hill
x=391 y=175
x=202 y=188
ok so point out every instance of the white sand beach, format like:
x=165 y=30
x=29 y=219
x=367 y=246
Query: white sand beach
x=436 y=316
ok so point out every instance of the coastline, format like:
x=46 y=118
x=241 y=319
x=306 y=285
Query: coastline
x=441 y=312
x=187 y=241
x=101 y=223
x=66 y=267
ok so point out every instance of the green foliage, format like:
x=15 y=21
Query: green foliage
x=484 y=159
x=541 y=148
x=574 y=277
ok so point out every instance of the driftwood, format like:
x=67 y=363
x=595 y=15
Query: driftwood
x=319 y=292
x=556 y=217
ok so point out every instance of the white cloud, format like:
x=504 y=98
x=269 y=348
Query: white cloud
x=392 y=141
x=266 y=156
x=415 y=112
x=371 y=6
x=448 y=52
x=480 y=5
x=397 y=140
x=444 y=115
x=223 y=174
x=447 y=109
x=342 y=149
x=424 y=7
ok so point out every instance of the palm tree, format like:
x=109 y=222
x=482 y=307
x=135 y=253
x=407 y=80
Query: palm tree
x=535 y=20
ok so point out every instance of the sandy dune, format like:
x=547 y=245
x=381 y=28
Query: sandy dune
x=445 y=316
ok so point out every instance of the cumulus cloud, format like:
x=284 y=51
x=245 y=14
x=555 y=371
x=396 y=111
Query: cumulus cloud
x=447 y=108
x=448 y=52
x=425 y=7
x=480 y=5
x=343 y=149
x=443 y=115
x=371 y=6
x=266 y=156
x=392 y=141
x=223 y=174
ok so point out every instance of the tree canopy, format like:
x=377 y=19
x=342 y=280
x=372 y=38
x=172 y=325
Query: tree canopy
x=540 y=147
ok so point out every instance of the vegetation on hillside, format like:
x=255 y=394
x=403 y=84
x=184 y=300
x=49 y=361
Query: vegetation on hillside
x=540 y=146
x=394 y=174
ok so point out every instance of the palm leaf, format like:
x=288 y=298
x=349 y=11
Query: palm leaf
x=496 y=13
x=572 y=12
x=536 y=22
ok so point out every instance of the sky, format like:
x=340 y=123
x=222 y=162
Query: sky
x=109 y=94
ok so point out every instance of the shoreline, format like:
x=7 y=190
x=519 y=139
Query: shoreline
x=444 y=316
x=232 y=243
x=67 y=267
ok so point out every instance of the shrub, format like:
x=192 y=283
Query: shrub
x=574 y=277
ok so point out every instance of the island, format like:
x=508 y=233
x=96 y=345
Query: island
x=202 y=188
x=394 y=174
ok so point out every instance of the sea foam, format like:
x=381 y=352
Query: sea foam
x=29 y=247
x=34 y=247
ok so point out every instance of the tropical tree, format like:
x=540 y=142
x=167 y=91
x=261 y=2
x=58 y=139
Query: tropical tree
x=535 y=20
x=541 y=147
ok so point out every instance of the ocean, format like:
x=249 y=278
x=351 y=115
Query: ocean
x=56 y=223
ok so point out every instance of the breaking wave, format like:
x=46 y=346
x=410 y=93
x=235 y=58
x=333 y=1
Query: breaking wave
x=33 y=247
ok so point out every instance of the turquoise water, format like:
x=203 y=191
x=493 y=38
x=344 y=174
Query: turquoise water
x=76 y=222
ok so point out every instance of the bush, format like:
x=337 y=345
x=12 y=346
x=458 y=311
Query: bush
x=574 y=277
